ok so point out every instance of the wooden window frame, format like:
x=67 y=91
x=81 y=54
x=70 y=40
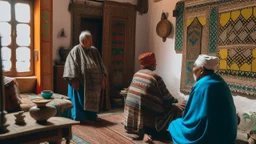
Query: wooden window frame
x=13 y=46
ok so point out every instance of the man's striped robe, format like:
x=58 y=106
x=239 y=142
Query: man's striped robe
x=148 y=103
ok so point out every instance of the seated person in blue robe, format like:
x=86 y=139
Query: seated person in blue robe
x=210 y=114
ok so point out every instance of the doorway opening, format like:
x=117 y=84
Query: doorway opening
x=94 y=25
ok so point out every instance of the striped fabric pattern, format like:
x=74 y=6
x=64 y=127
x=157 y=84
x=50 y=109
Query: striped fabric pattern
x=147 y=98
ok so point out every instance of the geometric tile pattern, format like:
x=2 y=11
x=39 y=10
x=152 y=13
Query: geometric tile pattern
x=203 y=3
x=228 y=30
x=238 y=27
x=194 y=37
x=239 y=56
x=201 y=19
x=213 y=30
x=249 y=90
x=179 y=26
x=238 y=61
x=193 y=47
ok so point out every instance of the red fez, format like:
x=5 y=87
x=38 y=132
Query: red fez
x=147 y=59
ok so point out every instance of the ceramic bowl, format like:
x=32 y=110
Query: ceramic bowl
x=46 y=94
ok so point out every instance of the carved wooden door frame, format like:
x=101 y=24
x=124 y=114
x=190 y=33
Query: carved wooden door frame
x=79 y=11
x=123 y=12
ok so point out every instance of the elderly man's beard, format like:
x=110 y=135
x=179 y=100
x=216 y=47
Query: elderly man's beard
x=195 y=78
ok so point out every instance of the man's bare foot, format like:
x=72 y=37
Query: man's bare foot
x=147 y=138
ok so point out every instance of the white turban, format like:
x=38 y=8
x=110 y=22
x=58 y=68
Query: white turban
x=209 y=62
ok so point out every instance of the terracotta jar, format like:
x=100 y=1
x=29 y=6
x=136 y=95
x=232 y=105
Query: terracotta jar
x=42 y=112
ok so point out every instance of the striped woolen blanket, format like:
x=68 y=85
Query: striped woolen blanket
x=148 y=102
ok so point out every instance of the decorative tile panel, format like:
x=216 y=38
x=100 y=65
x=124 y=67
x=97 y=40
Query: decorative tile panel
x=179 y=26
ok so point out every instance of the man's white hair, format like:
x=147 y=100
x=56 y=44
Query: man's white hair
x=83 y=35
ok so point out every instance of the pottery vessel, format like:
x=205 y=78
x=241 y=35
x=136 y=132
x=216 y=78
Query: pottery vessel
x=19 y=118
x=42 y=112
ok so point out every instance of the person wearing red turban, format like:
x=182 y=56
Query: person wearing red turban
x=147 y=60
x=149 y=106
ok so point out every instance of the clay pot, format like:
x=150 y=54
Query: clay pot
x=63 y=53
x=42 y=112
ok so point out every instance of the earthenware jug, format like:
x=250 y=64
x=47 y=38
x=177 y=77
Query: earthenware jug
x=42 y=112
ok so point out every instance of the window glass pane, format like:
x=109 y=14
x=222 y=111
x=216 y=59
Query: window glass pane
x=5 y=11
x=23 y=40
x=6 y=58
x=23 y=59
x=23 y=30
x=5 y=29
x=6 y=40
x=5 y=32
x=23 y=35
x=22 y=12
x=6 y=53
x=22 y=53
x=23 y=66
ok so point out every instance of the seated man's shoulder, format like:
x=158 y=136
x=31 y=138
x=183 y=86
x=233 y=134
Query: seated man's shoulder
x=156 y=76
x=146 y=71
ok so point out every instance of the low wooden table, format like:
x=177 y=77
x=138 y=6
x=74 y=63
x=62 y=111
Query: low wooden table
x=53 y=131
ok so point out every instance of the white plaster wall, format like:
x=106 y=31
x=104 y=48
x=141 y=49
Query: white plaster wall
x=61 y=19
x=142 y=36
x=168 y=61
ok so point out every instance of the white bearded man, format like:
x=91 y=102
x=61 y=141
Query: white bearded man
x=210 y=115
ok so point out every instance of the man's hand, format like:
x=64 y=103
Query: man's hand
x=181 y=105
x=75 y=84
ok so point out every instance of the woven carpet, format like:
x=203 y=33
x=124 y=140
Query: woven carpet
x=100 y=132
x=75 y=140
x=107 y=130
x=119 y=128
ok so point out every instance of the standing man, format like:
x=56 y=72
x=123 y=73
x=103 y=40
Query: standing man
x=85 y=72
x=210 y=113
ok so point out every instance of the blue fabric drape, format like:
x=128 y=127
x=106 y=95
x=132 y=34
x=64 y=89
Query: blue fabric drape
x=77 y=98
x=209 y=116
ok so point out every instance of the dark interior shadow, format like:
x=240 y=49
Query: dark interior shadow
x=101 y=123
x=47 y=123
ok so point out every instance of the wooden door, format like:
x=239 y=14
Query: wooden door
x=118 y=49
x=94 y=25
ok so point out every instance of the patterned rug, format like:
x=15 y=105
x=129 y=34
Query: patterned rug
x=101 y=131
x=118 y=127
x=109 y=129
x=75 y=140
